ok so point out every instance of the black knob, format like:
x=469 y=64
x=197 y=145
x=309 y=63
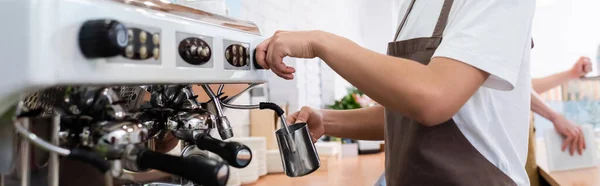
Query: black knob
x=102 y=38
x=200 y=170
x=236 y=154
x=255 y=62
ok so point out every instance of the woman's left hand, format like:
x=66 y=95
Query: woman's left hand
x=270 y=53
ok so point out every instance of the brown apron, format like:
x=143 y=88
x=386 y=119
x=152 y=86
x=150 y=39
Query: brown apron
x=439 y=155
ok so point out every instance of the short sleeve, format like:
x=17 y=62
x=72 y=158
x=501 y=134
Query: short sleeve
x=491 y=35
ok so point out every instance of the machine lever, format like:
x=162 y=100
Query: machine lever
x=200 y=170
x=236 y=154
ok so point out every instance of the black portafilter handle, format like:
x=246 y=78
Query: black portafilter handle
x=91 y=158
x=236 y=154
x=200 y=170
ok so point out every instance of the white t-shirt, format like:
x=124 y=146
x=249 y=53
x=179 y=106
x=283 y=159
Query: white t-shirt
x=493 y=36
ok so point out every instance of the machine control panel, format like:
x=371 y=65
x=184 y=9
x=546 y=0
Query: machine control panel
x=194 y=51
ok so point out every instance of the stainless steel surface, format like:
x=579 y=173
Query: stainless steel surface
x=243 y=157
x=30 y=137
x=220 y=89
x=111 y=95
x=195 y=14
x=24 y=151
x=284 y=124
x=304 y=159
x=193 y=124
x=240 y=106
x=115 y=136
x=190 y=94
x=192 y=150
x=53 y=163
x=224 y=127
x=221 y=122
x=223 y=173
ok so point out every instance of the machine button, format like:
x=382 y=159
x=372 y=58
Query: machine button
x=234 y=48
x=143 y=37
x=156 y=39
x=156 y=53
x=129 y=51
x=228 y=55
x=143 y=52
x=205 y=52
x=241 y=51
x=130 y=35
x=102 y=38
x=235 y=62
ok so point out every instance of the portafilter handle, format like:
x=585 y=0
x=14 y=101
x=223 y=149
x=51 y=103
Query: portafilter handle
x=236 y=154
x=200 y=170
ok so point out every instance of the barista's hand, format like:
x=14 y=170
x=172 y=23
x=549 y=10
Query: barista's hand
x=270 y=53
x=573 y=135
x=312 y=117
x=582 y=67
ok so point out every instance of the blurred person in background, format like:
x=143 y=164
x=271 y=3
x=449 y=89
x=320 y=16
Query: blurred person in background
x=574 y=141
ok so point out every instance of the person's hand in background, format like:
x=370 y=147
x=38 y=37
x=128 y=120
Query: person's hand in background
x=574 y=139
x=582 y=67
x=312 y=117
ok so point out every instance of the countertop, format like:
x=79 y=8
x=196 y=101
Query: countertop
x=360 y=170
x=576 y=177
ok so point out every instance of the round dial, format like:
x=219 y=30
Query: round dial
x=194 y=51
x=102 y=38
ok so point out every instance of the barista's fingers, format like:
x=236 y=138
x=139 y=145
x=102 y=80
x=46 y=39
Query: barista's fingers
x=261 y=53
x=303 y=115
x=292 y=117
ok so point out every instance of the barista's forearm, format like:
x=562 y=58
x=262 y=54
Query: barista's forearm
x=540 y=107
x=360 y=124
x=541 y=85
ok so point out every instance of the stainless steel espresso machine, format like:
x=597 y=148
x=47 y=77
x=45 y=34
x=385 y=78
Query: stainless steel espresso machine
x=100 y=92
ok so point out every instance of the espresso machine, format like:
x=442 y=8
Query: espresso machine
x=100 y=92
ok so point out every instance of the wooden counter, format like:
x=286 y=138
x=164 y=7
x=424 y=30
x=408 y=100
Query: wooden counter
x=361 y=170
x=577 y=177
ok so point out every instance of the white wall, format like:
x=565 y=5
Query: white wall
x=563 y=30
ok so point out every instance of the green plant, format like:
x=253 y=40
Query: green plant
x=348 y=101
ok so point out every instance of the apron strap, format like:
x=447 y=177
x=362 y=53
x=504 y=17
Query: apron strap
x=443 y=19
x=412 y=3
